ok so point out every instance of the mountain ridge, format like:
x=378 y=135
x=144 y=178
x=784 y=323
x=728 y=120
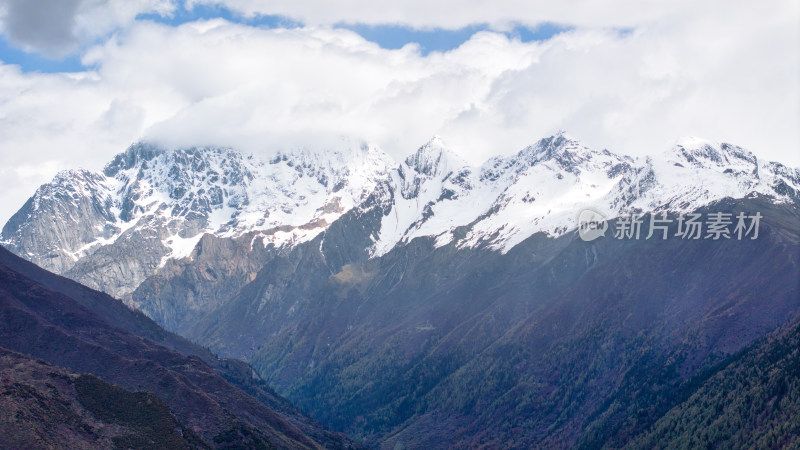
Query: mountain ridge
x=158 y=204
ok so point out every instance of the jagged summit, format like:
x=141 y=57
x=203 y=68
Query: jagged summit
x=133 y=156
x=435 y=158
x=564 y=151
x=558 y=145
x=704 y=153
x=347 y=162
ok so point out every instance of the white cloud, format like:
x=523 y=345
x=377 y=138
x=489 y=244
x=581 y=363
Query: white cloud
x=728 y=75
x=454 y=14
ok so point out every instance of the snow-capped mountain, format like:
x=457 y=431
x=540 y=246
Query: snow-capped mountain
x=546 y=185
x=150 y=205
x=114 y=229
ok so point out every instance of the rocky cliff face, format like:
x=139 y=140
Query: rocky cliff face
x=183 y=290
x=61 y=218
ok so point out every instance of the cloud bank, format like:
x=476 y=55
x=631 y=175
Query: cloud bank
x=633 y=82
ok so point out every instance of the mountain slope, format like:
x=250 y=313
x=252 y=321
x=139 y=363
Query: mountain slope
x=752 y=402
x=542 y=346
x=48 y=325
x=44 y=406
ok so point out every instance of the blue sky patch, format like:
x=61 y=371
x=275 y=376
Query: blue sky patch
x=182 y=15
x=442 y=40
x=34 y=62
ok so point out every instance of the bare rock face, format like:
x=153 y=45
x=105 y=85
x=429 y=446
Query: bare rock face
x=185 y=289
x=127 y=262
x=63 y=216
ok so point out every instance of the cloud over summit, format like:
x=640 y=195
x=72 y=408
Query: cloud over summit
x=632 y=81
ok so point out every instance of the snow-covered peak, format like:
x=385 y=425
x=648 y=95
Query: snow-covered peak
x=221 y=191
x=564 y=152
x=435 y=159
x=696 y=172
x=68 y=187
x=348 y=162
x=133 y=156
x=703 y=153
x=190 y=184
x=71 y=182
